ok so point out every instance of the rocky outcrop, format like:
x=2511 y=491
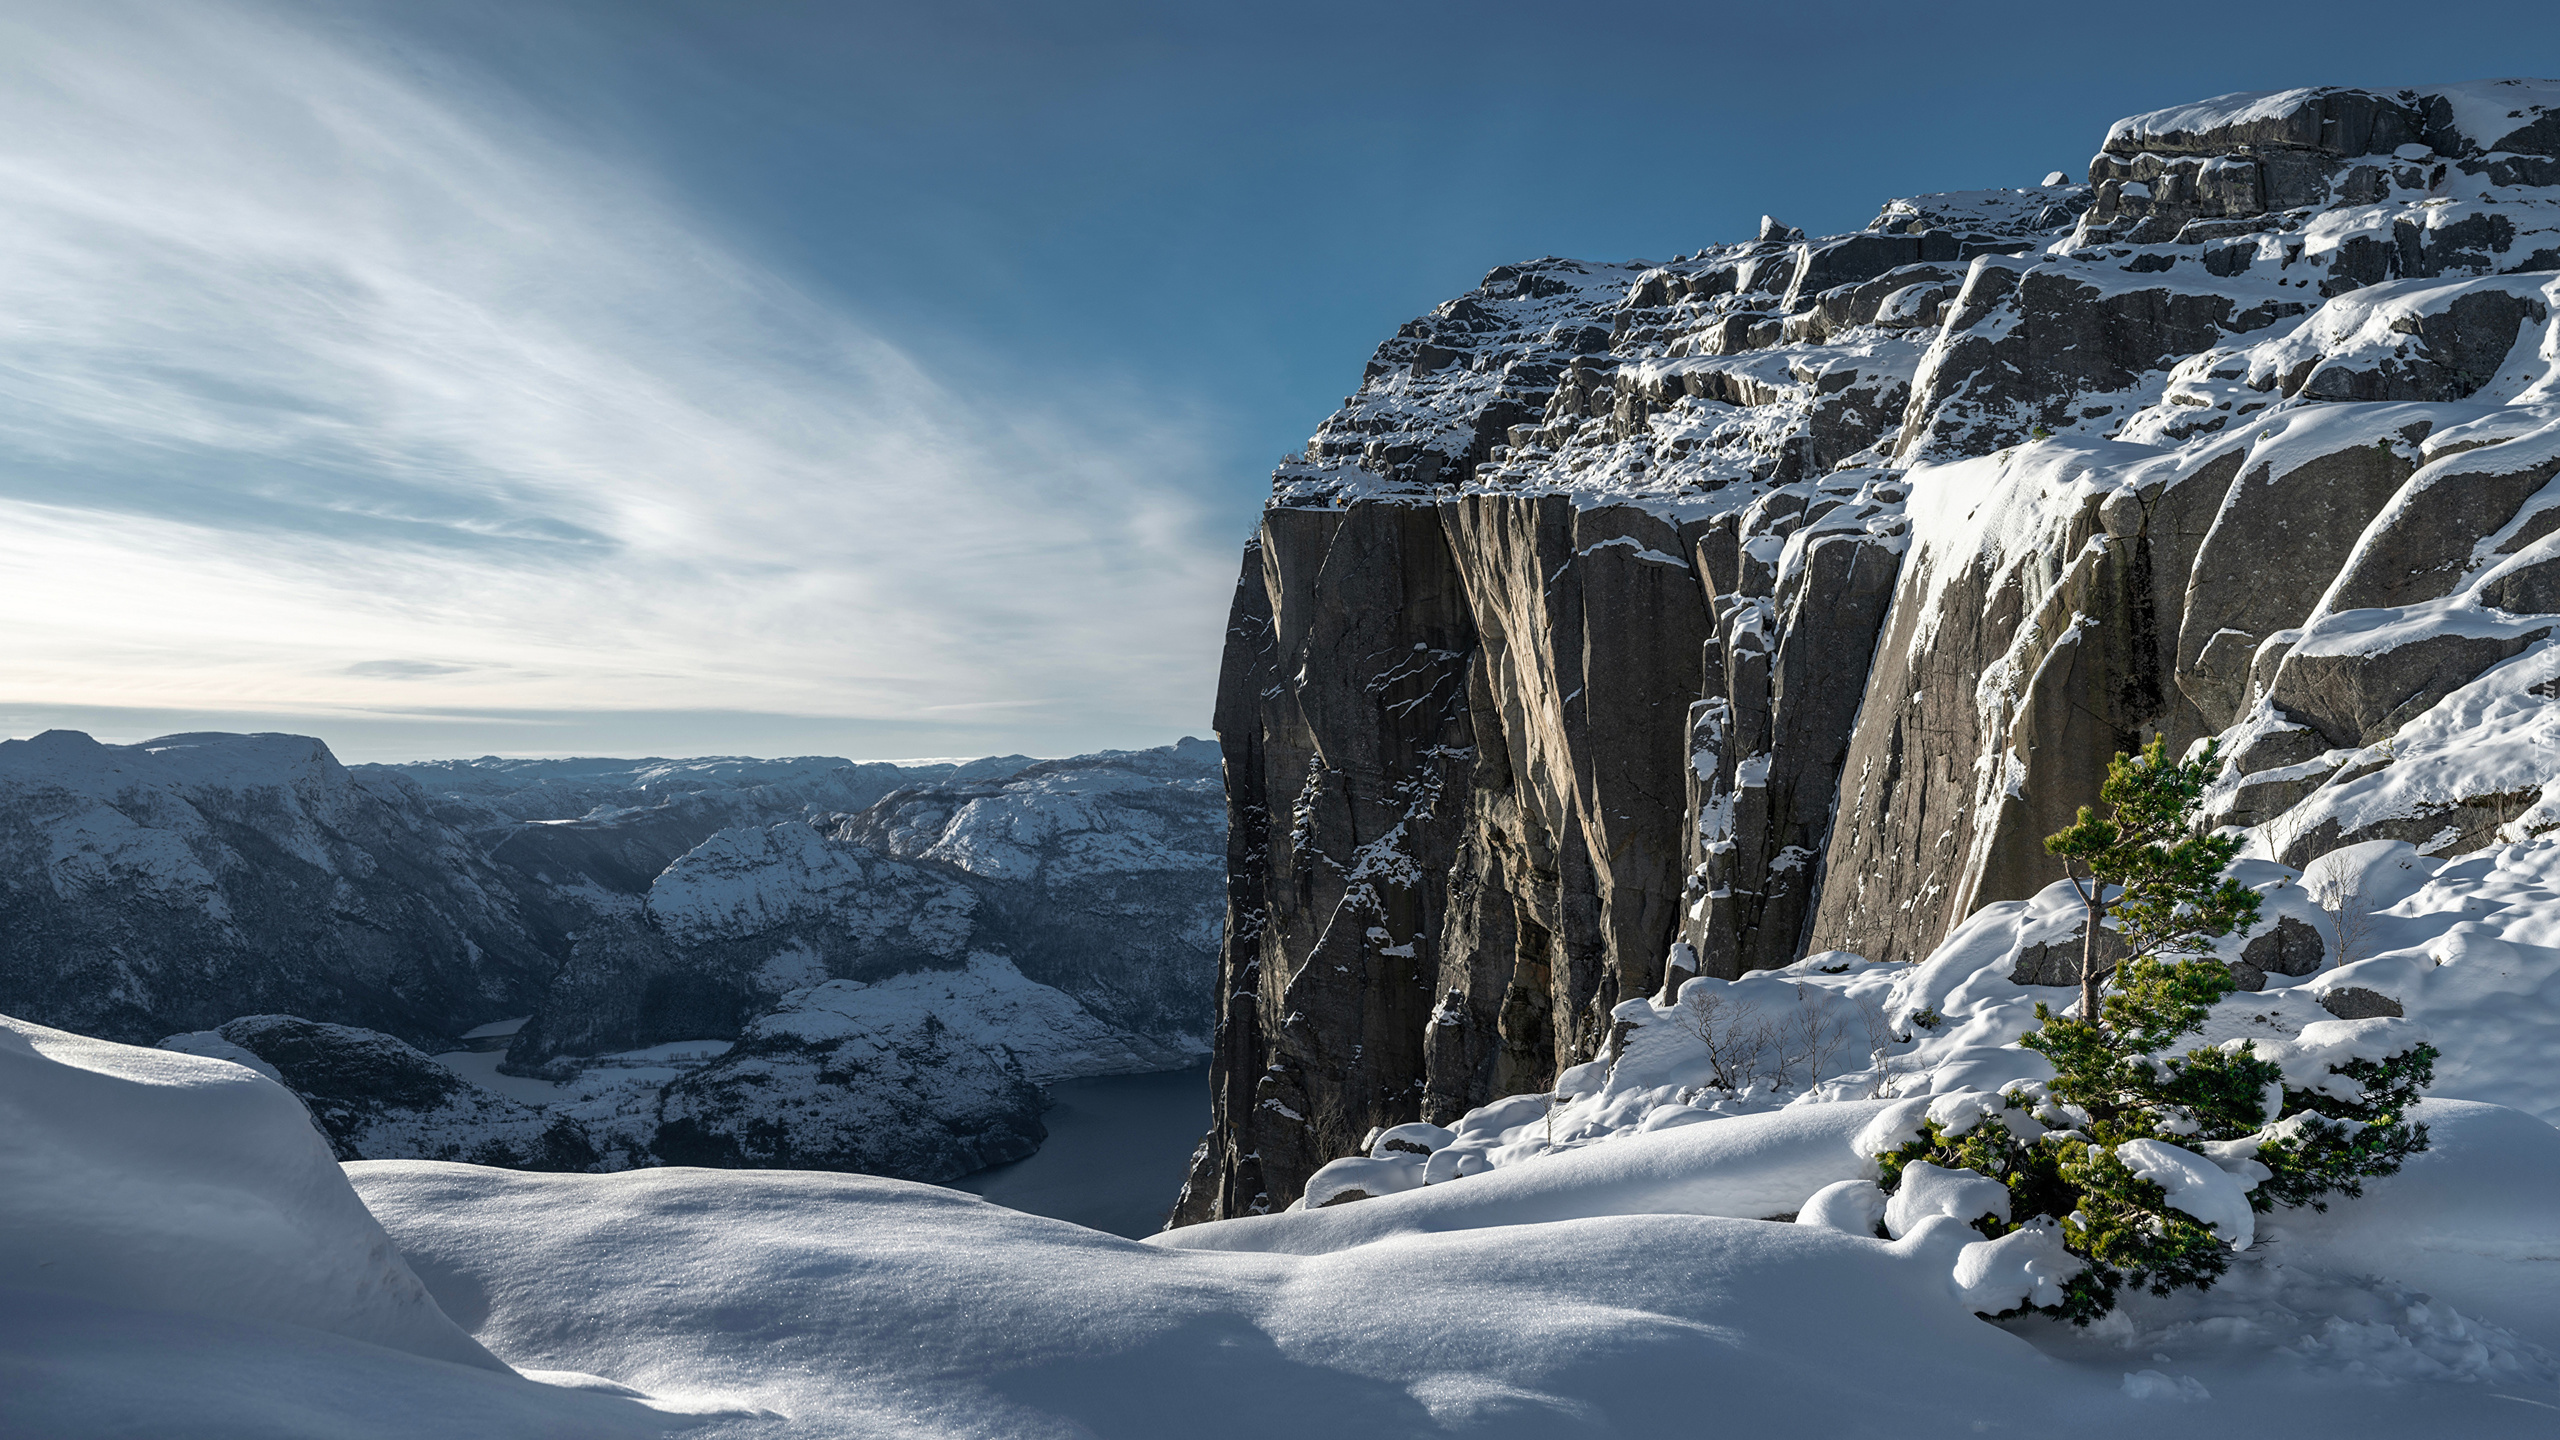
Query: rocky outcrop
x=379 y=1098
x=1640 y=620
x=918 y=1076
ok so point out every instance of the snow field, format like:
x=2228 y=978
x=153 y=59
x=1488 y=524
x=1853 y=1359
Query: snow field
x=861 y=1306
x=1596 y=1292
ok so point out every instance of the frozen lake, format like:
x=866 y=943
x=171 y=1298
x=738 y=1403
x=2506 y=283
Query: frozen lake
x=1117 y=1150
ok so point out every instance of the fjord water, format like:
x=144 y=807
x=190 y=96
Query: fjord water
x=1117 y=1149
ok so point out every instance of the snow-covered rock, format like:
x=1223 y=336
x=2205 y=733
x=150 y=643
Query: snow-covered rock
x=376 y=1097
x=1755 y=1167
x=926 y=1075
x=917 y=1102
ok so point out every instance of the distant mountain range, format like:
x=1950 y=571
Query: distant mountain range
x=897 y=955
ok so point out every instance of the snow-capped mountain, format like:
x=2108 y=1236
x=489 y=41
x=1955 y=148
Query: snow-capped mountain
x=177 y=884
x=1649 y=619
x=972 y=930
x=1097 y=876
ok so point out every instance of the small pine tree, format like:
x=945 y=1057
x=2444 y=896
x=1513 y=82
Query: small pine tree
x=2055 y=1145
x=2164 y=868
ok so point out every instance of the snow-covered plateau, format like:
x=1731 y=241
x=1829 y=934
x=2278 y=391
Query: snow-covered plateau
x=596 y=964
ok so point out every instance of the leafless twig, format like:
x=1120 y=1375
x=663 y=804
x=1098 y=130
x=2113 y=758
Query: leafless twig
x=2341 y=898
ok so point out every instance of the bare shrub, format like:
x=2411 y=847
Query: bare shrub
x=2341 y=898
x=1738 y=1040
x=1880 y=1043
x=1813 y=1040
x=1791 y=1049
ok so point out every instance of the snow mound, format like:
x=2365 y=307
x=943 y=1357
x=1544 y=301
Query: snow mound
x=152 y=1180
x=1745 y=1167
x=841 y=1301
x=2027 y=1266
x=2195 y=1185
x=1852 y=1207
x=1927 y=1192
x=1602 y=1326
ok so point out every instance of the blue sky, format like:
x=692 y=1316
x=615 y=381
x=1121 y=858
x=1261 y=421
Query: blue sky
x=869 y=380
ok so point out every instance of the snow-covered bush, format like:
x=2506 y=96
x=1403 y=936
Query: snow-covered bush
x=2156 y=1166
x=2152 y=1167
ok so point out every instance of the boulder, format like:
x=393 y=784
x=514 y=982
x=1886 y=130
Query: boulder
x=2361 y=697
x=2354 y=1002
x=2057 y=962
x=2288 y=947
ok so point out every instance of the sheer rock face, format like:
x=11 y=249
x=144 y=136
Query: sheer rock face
x=1635 y=619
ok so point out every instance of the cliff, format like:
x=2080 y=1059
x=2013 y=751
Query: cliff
x=1639 y=620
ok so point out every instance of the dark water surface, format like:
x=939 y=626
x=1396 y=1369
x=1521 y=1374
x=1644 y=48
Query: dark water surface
x=1117 y=1149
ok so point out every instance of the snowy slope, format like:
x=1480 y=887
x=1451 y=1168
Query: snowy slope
x=867 y=1290
x=157 y=1181
x=185 y=1258
x=2465 y=947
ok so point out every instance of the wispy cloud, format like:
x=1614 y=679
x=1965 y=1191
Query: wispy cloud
x=330 y=378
